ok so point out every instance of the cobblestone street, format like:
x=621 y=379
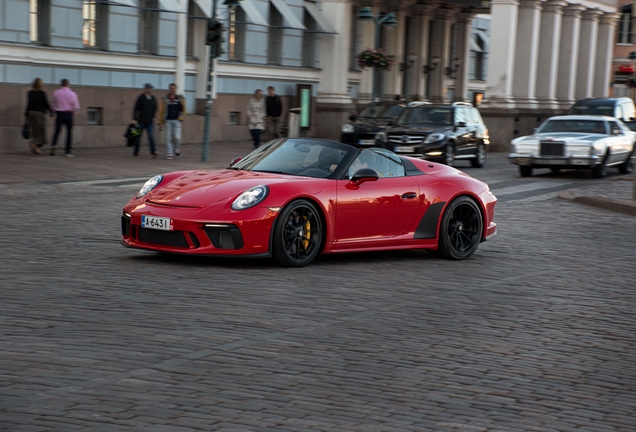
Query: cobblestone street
x=534 y=333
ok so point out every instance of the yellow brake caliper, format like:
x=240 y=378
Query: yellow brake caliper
x=307 y=235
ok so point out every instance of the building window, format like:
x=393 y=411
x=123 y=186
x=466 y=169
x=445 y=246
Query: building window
x=235 y=117
x=40 y=18
x=94 y=116
x=94 y=30
x=191 y=28
x=477 y=55
x=625 y=29
x=310 y=37
x=275 y=36
x=236 y=34
x=149 y=26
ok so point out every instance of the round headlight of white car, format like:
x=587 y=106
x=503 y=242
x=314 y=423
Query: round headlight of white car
x=348 y=128
x=149 y=185
x=250 y=197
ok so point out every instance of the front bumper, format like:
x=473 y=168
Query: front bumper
x=535 y=161
x=197 y=234
x=433 y=151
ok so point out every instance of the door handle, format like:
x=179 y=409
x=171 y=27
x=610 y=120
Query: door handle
x=409 y=195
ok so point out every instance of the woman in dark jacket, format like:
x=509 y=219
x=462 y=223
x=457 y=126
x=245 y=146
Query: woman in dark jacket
x=35 y=113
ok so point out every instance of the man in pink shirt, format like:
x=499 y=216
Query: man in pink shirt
x=64 y=104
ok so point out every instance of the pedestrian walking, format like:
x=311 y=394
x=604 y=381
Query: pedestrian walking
x=172 y=113
x=144 y=113
x=65 y=104
x=35 y=115
x=256 y=117
x=274 y=109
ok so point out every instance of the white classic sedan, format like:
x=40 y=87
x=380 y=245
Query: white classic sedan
x=576 y=142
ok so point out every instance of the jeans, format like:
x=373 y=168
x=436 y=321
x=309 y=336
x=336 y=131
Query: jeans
x=66 y=119
x=151 y=138
x=173 y=131
x=256 y=136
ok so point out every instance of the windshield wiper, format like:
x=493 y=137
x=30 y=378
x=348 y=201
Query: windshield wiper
x=270 y=171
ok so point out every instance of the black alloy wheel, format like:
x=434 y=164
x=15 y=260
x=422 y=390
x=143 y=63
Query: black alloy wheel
x=297 y=234
x=628 y=166
x=461 y=229
x=600 y=170
x=449 y=155
x=480 y=159
x=525 y=171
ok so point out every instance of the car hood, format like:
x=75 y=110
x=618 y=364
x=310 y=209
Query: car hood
x=370 y=126
x=562 y=136
x=203 y=188
x=422 y=129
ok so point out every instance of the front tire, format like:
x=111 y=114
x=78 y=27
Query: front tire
x=297 y=234
x=461 y=229
x=449 y=155
x=525 y=171
x=628 y=166
x=480 y=160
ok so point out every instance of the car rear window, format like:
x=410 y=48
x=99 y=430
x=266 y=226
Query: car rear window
x=606 y=110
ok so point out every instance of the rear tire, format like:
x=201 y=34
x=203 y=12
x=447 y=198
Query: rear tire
x=628 y=166
x=525 y=171
x=461 y=230
x=480 y=160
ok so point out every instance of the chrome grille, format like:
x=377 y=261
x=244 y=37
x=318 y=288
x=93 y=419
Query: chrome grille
x=552 y=148
x=406 y=139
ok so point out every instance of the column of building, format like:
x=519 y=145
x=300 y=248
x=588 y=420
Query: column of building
x=440 y=49
x=422 y=29
x=587 y=53
x=367 y=40
x=568 y=54
x=394 y=45
x=464 y=21
x=526 y=54
x=604 y=54
x=549 y=44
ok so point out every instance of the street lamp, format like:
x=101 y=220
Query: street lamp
x=410 y=59
x=429 y=68
x=451 y=70
x=380 y=20
x=214 y=53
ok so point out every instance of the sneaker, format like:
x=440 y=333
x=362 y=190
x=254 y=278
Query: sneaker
x=177 y=154
x=53 y=151
x=70 y=155
x=154 y=155
x=169 y=157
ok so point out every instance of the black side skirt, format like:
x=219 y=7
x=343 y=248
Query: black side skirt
x=427 y=229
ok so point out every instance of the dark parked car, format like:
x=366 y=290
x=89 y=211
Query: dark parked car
x=621 y=108
x=373 y=118
x=443 y=133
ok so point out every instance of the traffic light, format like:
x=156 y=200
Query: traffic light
x=215 y=38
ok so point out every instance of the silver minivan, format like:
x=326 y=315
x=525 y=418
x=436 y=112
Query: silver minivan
x=621 y=108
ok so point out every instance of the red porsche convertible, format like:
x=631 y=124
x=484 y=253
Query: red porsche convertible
x=294 y=198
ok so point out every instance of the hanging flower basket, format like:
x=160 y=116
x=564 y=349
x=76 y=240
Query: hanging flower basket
x=375 y=58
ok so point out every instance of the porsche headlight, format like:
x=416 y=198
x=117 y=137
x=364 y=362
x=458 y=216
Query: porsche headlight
x=381 y=136
x=149 y=185
x=434 y=137
x=348 y=128
x=250 y=197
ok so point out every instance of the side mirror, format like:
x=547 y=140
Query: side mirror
x=364 y=175
x=461 y=124
x=353 y=117
x=616 y=132
x=235 y=160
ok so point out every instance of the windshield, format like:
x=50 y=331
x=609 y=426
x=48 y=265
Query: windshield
x=576 y=126
x=426 y=116
x=606 y=110
x=381 y=111
x=301 y=157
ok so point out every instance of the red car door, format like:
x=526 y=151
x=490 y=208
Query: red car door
x=375 y=209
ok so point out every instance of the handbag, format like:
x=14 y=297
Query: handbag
x=133 y=132
x=26 y=133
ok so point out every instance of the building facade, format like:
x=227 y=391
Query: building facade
x=525 y=59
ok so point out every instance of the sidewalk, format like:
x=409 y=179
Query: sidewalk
x=102 y=163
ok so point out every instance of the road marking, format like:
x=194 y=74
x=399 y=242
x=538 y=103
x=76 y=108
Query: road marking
x=526 y=187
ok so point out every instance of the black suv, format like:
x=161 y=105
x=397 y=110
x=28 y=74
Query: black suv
x=622 y=108
x=442 y=133
x=372 y=119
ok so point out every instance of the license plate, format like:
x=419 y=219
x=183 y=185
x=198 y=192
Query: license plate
x=158 y=223
x=580 y=162
x=524 y=161
x=404 y=149
x=366 y=142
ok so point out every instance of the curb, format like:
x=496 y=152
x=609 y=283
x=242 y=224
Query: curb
x=619 y=206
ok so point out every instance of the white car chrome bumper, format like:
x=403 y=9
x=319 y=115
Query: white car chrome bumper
x=564 y=161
